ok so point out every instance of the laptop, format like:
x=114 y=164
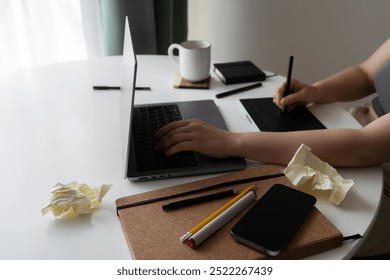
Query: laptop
x=140 y=160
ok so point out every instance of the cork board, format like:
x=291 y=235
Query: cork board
x=179 y=82
x=152 y=233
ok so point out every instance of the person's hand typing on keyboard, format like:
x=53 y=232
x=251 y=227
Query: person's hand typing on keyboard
x=195 y=135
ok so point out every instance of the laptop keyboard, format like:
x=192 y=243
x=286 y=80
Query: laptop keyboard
x=146 y=122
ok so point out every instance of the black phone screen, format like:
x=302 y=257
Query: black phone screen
x=274 y=219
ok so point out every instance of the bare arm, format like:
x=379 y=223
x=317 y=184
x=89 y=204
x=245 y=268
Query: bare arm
x=347 y=85
x=338 y=147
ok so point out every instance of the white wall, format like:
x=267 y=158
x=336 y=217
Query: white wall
x=324 y=35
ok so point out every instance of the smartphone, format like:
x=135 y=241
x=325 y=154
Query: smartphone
x=274 y=219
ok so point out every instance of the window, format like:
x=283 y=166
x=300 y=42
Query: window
x=40 y=32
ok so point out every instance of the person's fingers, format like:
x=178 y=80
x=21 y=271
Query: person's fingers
x=278 y=95
x=171 y=126
x=299 y=95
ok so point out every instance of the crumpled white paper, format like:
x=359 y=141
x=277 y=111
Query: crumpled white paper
x=306 y=170
x=75 y=199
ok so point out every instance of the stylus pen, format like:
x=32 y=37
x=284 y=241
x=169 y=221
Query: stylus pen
x=117 y=88
x=238 y=90
x=215 y=214
x=222 y=219
x=199 y=199
x=287 y=88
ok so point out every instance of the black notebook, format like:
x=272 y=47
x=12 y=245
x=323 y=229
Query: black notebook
x=268 y=117
x=239 y=72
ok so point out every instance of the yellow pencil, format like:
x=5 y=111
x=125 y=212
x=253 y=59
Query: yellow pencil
x=215 y=214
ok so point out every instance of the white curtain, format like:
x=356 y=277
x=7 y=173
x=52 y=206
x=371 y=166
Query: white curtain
x=90 y=13
x=36 y=32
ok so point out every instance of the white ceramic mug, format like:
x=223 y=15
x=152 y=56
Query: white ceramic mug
x=193 y=59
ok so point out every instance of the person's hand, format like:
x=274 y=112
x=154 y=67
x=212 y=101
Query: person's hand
x=301 y=94
x=195 y=135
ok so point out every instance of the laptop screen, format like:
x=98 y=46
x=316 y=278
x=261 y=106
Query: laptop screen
x=129 y=73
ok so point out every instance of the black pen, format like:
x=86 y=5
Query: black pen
x=196 y=200
x=287 y=88
x=117 y=88
x=237 y=90
x=143 y=88
x=212 y=187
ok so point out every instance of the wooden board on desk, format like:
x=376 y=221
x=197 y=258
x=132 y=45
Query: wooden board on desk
x=152 y=233
x=179 y=82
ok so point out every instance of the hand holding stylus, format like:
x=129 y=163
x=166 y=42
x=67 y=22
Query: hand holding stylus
x=292 y=92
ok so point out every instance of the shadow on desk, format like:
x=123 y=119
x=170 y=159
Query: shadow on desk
x=377 y=257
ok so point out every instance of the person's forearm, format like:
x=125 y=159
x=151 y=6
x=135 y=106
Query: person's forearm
x=338 y=147
x=348 y=85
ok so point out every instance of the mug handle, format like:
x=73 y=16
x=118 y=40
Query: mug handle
x=170 y=52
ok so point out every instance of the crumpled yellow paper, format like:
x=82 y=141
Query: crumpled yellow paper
x=74 y=199
x=306 y=170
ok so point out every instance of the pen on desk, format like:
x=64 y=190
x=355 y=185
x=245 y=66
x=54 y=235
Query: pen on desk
x=287 y=88
x=143 y=88
x=105 y=88
x=208 y=188
x=117 y=88
x=196 y=228
x=221 y=219
x=238 y=90
x=199 y=199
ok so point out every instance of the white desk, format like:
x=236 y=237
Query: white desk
x=55 y=128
